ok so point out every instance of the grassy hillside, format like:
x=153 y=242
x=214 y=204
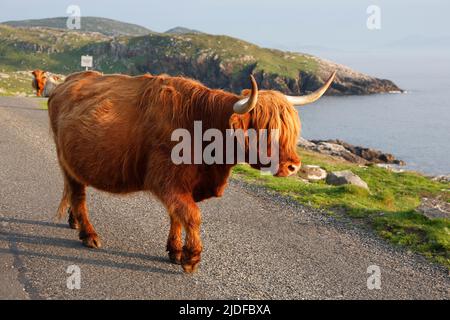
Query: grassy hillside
x=233 y=55
x=54 y=46
x=105 y=26
x=49 y=49
x=218 y=61
x=390 y=207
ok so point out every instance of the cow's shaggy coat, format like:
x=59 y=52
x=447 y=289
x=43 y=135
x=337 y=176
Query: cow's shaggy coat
x=114 y=132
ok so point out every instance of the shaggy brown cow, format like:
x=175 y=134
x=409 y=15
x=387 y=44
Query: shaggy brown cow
x=120 y=141
x=39 y=81
x=44 y=83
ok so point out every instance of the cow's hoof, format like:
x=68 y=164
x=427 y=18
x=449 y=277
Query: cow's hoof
x=190 y=268
x=90 y=240
x=175 y=257
x=190 y=261
x=73 y=224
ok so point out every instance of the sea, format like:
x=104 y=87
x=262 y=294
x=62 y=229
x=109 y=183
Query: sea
x=414 y=126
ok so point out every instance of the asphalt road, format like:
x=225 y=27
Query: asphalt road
x=256 y=245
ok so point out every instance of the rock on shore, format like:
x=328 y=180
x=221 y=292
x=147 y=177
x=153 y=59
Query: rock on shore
x=349 y=152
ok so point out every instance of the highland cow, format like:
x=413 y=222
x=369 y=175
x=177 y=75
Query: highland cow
x=113 y=133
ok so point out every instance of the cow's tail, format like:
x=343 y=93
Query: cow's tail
x=65 y=202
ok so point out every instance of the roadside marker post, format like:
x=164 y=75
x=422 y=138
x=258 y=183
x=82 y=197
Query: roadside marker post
x=87 y=62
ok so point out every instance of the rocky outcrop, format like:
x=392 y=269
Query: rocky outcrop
x=434 y=208
x=349 y=152
x=338 y=178
x=218 y=67
x=442 y=178
x=349 y=81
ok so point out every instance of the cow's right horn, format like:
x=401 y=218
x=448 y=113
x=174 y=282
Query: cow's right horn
x=247 y=104
x=302 y=100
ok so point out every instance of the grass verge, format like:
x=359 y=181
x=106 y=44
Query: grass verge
x=43 y=104
x=390 y=207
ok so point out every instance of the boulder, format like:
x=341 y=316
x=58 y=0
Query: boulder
x=434 y=208
x=442 y=178
x=312 y=173
x=336 y=150
x=371 y=155
x=338 y=178
x=305 y=144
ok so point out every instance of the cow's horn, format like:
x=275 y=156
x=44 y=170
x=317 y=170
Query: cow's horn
x=302 y=100
x=247 y=104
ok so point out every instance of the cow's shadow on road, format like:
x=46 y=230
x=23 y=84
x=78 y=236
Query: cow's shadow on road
x=15 y=239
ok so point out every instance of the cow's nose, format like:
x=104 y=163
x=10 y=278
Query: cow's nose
x=293 y=168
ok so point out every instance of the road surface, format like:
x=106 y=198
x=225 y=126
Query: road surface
x=256 y=245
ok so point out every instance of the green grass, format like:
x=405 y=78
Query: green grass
x=16 y=83
x=389 y=207
x=43 y=104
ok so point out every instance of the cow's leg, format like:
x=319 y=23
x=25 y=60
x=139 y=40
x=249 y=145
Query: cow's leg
x=174 y=242
x=186 y=211
x=64 y=205
x=73 y=223
x=77 y=194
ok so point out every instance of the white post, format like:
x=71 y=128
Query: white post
x=87 y=62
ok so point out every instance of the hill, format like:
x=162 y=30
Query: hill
x=182 y=30
x=104 y=26
x=217 y=61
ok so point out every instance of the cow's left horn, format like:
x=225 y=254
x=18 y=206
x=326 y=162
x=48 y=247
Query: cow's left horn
x=302 y=100
x=247 y=104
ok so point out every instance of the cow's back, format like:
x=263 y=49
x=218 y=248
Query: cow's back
x=61 y=97
x=98 y=129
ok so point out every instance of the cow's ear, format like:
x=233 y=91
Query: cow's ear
x=240 y=121
x=246 y=92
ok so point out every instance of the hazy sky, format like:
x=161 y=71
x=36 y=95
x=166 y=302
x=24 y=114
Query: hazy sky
x=286 y=24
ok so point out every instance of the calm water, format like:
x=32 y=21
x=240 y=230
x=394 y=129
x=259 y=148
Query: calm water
x=415 y=126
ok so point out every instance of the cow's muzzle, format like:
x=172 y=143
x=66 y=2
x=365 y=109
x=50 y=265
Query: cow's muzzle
x=288 y=169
